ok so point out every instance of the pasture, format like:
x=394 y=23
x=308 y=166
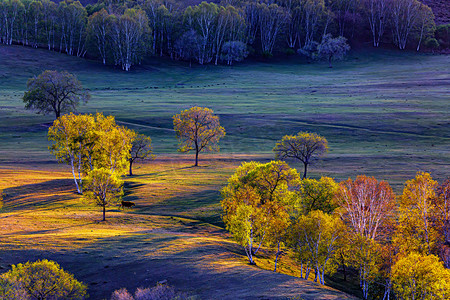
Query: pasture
x=384 y=115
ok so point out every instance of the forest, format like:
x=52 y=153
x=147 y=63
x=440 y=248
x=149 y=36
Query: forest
x=126 y=33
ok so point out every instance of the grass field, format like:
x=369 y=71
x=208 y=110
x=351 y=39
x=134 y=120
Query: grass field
x=384 y=115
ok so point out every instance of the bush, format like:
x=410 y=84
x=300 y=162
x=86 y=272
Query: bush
x=432 y=43
x=42 y=279
x=159 y=292
x=121 y=294
x=443 y=35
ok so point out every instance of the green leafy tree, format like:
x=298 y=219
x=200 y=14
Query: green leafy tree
x=104 y=188
x=318 y=194
x=304 y=146
x=54 y=92
x=198 y=129
x=40 y=280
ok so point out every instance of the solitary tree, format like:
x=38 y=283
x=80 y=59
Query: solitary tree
x=103 y=187
x=54 y=92
x=141 y=149
x=304 y=146
x=333 y=48
x=42 y=279
x=198 y=129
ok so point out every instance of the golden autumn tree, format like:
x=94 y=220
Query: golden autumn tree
x=255 y=204
x=86 y=142
x=72 y=138
x=415 y=231
x=42 y=279
x=316 y=238
x=366 y=205
x=198 y=129
x=441 y=219
x=305 y=146
x=418 y=276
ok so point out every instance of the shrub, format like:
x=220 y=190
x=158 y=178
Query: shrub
x=121 y=294
x=42 y=279
x=159 y=292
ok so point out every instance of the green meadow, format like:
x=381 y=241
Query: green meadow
x=384 y=114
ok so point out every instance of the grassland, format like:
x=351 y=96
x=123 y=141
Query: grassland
x=383 y=114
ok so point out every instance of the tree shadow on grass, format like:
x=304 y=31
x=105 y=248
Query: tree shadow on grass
x=38 y=195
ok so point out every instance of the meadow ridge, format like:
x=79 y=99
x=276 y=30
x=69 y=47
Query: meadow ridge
x=384 y=115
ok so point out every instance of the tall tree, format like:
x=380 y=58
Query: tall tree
x=415 y=231
x=304 y=146
x=403 y=15
x=376 y=12
x=72 y=136
x=272 y=19
x=365 y=205
x=317 y=234
x=98 y=32
x=54 y=92
x=198 y=129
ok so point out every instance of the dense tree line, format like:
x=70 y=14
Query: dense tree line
x=125 y=32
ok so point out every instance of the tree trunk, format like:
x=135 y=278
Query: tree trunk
x=305 y=170
x=104 y=212
x=196 y=158
x=276 y=256
x=329 y=62
x=57 y=114
x=131 y=167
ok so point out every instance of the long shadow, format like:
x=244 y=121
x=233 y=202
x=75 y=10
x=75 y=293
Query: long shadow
x=37 y=195
x=146 y=257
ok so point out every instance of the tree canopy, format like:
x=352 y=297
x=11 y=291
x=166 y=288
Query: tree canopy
x=304 y=146
x=198 y=129
x=54 y=92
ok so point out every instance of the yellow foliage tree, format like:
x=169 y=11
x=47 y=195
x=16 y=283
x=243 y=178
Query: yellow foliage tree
x=415 y=231
x=317 y=237
x=198 y=129
x=42 y=279
x=255 y=204
x=417 y=276
x=103 y=187
x=86 y=142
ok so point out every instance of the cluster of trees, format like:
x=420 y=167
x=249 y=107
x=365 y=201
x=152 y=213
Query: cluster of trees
x=99 y=152
x=41 y=279
x=398 y=245
x=124 y=32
